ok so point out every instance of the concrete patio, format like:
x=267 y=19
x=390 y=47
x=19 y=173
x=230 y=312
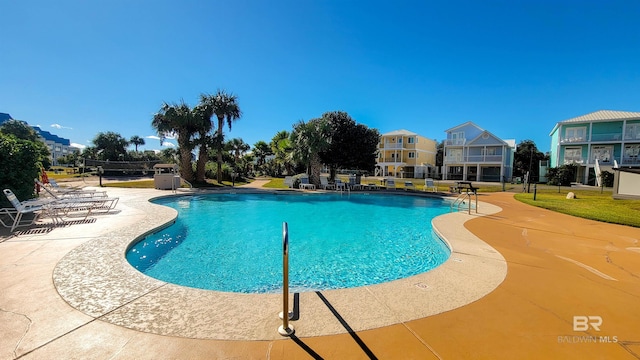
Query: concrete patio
x=557 y=268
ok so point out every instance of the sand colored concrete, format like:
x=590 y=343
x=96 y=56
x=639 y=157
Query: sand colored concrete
x=558 y=267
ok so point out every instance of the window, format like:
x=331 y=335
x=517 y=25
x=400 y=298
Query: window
x=454 y=155
x=632 y=132
x=573 y=155
x=411 y=140
x=602 y=153
x=576 y=134
x=412 y=155
x=489 y=151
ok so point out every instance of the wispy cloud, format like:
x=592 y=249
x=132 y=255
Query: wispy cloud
x=79 y=146
x=168 y=144
x=153 y=137
x=58 y=126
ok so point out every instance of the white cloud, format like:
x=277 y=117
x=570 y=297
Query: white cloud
x=168 y=144
x=58 y=126
x=153 y=137
x=79 y=146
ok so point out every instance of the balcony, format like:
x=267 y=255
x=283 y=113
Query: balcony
x=630 y=160
x=606 y=137
x=473 y=159
x=573 y=140
x=573 y=160
x=455 y=142
x=392 y=146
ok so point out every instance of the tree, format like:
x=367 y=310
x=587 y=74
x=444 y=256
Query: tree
x=136 y=141
x=281 y=148
x=308 y=141
x=238 y=147
x=225 y=107
x=21 y=130
x=178 y=120
x=261 y=150
x=20 y=161
x=111 y=146
x=353 y=146
x=527 y=158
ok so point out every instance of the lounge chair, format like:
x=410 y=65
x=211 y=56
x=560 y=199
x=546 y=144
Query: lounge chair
x=390 y=184
x=71 y=192
x=408 y=185
x=340 y=185
x=305 y=185
x=429 y=185
x=21 y=208
x=288 y=180
x=84 y=201
x=324 y=183
x=353 y=184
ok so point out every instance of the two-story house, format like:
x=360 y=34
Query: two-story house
x=405 y=154
x=474 y=154
x=607 y=136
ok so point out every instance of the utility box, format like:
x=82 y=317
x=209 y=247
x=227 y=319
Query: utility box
x=166 y=176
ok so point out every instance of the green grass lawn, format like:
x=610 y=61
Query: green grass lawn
x=588 y=204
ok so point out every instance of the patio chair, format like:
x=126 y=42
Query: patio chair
x=324 y=183
x=340 y=185
x=71 y=192
x=353 y=184
x=429 y=185
x=408 y=185
x=390 y=184
x=80 y=201
x=21 y=208
x=305 y=184
x=288 y=180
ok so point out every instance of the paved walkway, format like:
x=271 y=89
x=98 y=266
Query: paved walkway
x=559 y=267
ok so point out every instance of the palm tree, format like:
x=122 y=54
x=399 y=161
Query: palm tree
x=112 y=144
x=281 y=147
x=238 y=147
x=203 y=114
x=178 y=120
x=309 y=140
x=223 y=106
x=136 y=141
x=261 y=150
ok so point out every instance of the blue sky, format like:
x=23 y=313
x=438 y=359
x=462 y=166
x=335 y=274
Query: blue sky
x=515 y=68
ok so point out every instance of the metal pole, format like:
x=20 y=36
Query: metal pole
x=285 y=329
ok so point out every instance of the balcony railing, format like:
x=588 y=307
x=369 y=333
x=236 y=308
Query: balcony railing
x=573 y=160
x=606 y=137
x=630 y=160
x=392 y=146
x=473 y=159
x=455 y=142
x=391 y=160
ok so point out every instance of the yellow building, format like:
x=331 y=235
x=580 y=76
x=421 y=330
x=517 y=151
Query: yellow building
x=405 y=154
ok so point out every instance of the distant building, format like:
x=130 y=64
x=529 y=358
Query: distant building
x=405 y=154
x=58 y=146
x=474 y=154
x=597 y=140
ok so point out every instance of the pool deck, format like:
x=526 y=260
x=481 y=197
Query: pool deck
x=558 y=267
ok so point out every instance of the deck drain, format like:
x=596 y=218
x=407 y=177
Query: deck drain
x=457 y=259
x=422 y=286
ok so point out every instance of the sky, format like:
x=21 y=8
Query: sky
x=513 y=67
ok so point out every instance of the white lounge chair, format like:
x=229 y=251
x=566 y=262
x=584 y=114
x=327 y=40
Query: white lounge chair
x=390 y=184
x=324 y=183
x=21 y=208
x=429 y=185
x=70 y=192
x=288 y=180
x=353 y=184
x=305 y=184
x=90 y=202
x=340 y=185
x=408 y=185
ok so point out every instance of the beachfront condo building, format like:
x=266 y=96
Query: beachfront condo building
x=596 y=142
x=474 y=154
x=405 y=154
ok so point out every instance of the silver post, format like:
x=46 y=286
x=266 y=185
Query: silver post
x=285 y=329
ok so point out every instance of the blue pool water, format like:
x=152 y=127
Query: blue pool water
x=233 y=242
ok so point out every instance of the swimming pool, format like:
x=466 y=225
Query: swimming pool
x=233 y=242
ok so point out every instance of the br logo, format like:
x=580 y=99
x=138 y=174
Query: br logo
x=582 y=323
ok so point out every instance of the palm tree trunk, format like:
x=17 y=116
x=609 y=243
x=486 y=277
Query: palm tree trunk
x=186 y=170
x=220 y=144
x=315 y=166
x=201 y=164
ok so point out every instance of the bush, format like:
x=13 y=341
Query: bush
x=563 y=175
x=607 y=178
x=19 y=160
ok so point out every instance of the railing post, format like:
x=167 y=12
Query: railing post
x=285 y=329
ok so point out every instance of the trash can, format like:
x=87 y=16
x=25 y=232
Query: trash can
x=166 y=176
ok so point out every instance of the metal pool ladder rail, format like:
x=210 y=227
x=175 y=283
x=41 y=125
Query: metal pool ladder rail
x=465 y=196
x=285 y=329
